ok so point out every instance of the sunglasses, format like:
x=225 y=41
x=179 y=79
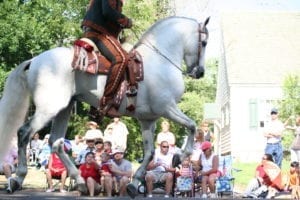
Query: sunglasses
x=98 y=142
x=90 y=141
x=165 y=146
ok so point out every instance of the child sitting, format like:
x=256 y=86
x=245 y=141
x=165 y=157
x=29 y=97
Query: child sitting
x=105 y=170
x=292 y=180
x=185 y=179
x=186 y=169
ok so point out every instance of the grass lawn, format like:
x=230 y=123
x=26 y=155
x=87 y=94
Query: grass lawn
x=248 y=171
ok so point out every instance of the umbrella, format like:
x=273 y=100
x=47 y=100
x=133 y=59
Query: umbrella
x=274 y=173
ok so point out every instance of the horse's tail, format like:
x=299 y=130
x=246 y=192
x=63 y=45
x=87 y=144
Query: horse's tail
x=13 y=106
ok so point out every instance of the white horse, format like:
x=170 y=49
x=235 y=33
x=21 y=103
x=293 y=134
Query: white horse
x=54 y=86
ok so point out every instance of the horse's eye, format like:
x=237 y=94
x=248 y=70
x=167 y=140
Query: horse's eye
x=204 y=43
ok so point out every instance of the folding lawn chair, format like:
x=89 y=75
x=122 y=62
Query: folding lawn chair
x=225 y=183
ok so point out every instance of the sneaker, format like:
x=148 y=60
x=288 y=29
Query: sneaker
x=204 y=196
x=63 y=191
x=167 y=196
x=213 y=195
x=50 y=190
x=149 y=195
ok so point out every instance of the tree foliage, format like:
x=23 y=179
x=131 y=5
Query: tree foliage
x=290 y=105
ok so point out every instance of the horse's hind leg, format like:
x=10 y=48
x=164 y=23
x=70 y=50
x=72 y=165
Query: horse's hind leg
x=148 y=128
x=39 y=121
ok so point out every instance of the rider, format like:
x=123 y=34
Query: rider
x=102 y=24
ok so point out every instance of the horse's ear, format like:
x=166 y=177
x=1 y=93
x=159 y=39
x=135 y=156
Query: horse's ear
x=206 y=21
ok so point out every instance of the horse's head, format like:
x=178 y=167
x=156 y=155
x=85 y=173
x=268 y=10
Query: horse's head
x=196 y=61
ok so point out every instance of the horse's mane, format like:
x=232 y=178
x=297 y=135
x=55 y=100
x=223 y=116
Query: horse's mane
x=156 y=27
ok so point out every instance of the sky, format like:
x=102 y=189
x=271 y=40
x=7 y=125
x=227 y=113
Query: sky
x=200 y=9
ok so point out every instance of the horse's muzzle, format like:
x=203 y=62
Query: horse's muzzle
x=197 y=72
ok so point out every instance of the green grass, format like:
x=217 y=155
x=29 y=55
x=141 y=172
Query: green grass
x=248 y=171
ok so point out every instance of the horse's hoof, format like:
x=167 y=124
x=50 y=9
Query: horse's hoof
x=81 y=187
x=131 y=190
x=13 y=185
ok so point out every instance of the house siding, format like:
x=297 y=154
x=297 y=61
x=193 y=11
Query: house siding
x=258 y=50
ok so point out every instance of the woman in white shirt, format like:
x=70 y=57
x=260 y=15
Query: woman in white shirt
x=210 y=164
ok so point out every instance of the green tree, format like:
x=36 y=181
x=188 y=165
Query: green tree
x=290 y=105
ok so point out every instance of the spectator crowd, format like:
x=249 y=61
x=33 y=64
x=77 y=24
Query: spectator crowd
x=101 y=161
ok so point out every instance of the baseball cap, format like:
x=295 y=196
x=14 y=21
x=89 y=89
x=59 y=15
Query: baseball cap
x=205 y=145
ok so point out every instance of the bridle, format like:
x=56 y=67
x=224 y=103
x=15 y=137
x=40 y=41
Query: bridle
x=200 y=44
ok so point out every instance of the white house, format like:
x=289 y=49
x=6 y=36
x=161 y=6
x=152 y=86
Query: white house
x=258 y=50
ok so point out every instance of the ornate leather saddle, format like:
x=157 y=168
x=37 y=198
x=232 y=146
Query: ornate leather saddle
x=87 y=58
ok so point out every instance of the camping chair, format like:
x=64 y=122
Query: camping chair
x=225 y=183
x=69 y=184
x=142 y=189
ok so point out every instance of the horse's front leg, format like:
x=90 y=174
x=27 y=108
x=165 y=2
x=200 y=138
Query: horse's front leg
x=174 y=114
x=148 y=128
x=59 y=128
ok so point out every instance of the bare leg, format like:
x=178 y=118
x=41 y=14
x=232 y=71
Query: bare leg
x=212 y=182
x=108 y=185
x=49 y=179
x=91 y=186
x=123 y=183
x=7 y=170
x=204 y=184
x=149 y=183
x=63 y=180
x=169 y=183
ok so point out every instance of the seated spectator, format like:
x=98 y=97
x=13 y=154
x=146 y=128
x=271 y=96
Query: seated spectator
x=90 y=141
x=35 y=146
x=45 y=152
x=89 y=171
x=186 y=169
x=56 y=169
x=209 y=164
x=160 y=169
x=185 y=175
x=99 y=150
x=292 y=178
x=261 y=184
x=105 y=170
x=122 y=170
x=8 y=165
x=107 y=147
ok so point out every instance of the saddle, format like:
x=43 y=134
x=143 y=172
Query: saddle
x=89 y=59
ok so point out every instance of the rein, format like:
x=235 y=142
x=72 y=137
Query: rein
x=155 y=49
x=151 y=46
